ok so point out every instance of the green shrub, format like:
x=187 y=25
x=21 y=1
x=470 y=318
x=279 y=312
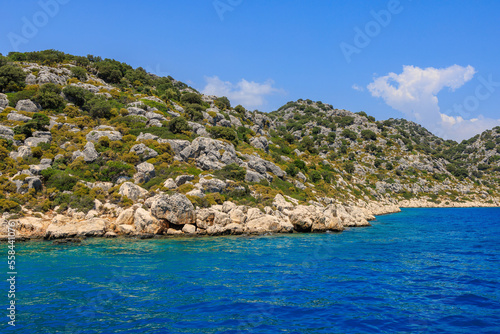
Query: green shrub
x=39 y=122
x=315 y=176
x=307 y=144
x=368 y=135
x=457 y=171
x=291 y=170
x=195 y=112
x=239 y=109
x=344 y=121
x=191 y=98
x=331 y=137
x=79 y=72
x=9 y=206
x=58 y=179
x=115 y=169
x=300 y=164
x=244 y=133
x=178 y=125
x=26 y=94
x=98 y=107
x=231 y=172
x=490 y=145
x=12 y=78
x=223 y=103
x=81 y=202
x=77 y=95
x=49 y=97
x=349 y=134
x=224 y=133
x=349 y=167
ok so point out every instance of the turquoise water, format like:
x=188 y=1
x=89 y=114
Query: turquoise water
x=419 y=271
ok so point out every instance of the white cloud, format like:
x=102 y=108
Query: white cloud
x=249 y=94
x=414 y=92
x=358 y=88
x=458 y=128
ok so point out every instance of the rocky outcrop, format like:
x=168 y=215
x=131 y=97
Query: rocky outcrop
x=132 y=191
x=31 y=182
x=95 y=227
x=175 y=209
x=26 y=105
x=210 y=154
x=89 y=153
x=22 y=152
x=262 y=166
x=14 y=116
x=6 y=132
x=144 y=222
x=143 y=151
x=34 y=141
x=145 y=172
x=4 y=101
x=260 y=143
x=94 y=135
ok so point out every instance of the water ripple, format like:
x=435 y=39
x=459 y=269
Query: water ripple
x=420 y=271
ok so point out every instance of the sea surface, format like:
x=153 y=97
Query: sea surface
x=418 y=271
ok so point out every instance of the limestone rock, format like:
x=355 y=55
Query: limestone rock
x=146 y=136
x=6 y=132
x=14 y=116
x=143 y=151
x=94 y=135
x=145 y=172
x=126 y=229
x=32 y=182
x=132 y=191
x=181 y=179
x=170 y=184
x=281 y=204
x=33 y=141
x=212 y=185
x=210 y=153
x=252 y=176
x=95 y=227
x=189 y=229
x=144 y=222
x=26 y=105
x=89 y=153
x=126 y=217
x=176 y=209
x=260 y=143
x=177 y=145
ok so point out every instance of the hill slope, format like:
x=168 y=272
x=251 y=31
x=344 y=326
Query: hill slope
x=123 y=151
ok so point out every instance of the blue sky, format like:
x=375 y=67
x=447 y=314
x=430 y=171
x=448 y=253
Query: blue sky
x=263 y=53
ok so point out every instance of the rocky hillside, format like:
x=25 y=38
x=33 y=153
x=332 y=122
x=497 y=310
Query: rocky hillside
x=92 y=146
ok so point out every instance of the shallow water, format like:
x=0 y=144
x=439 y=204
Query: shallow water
x=419 y=271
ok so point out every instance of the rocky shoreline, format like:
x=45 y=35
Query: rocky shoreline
x=428 y=204
x=174 y=215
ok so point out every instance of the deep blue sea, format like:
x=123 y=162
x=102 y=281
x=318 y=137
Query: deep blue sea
x=419 y=271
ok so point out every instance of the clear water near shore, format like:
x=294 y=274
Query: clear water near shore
x=418 y=271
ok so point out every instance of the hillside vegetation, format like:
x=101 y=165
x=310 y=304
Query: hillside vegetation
x=75 y=129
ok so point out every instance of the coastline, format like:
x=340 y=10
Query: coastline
x=174 y=216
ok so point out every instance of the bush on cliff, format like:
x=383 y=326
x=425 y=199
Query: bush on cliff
x=231 y=172
x=224 y=133
x=11 y=78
